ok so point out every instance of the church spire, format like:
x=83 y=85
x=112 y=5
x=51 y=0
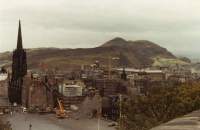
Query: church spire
x=19 y=38
x=19 y=70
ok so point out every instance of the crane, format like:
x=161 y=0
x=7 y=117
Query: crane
x=60 y=113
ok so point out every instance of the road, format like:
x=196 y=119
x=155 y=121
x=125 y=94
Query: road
x=21 y=121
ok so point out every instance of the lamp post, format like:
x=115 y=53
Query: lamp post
x=99 y=112
x=121 y=116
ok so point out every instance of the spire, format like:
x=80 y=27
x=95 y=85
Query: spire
x=19 y=38
x=124 y=75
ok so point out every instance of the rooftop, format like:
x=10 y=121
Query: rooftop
x=140 y=70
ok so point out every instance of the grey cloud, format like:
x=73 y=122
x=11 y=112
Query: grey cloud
x=88 y=23
x=104 y=22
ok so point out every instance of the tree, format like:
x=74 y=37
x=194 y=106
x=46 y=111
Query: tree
x=160 y=105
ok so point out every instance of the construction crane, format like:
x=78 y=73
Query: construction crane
x=60 y=112
x=110 y=65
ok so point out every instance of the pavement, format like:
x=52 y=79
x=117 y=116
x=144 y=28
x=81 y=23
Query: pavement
x=187 y=122
x=22 y=121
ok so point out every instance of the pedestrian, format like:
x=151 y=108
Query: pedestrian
x=11 y=113
x=30 y=126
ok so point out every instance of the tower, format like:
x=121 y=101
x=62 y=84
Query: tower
x=19 y=70
x=124 y=75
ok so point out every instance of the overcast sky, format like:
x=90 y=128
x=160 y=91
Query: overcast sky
x=173 y=24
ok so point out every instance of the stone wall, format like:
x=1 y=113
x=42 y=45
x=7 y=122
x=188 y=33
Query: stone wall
x=35 y=94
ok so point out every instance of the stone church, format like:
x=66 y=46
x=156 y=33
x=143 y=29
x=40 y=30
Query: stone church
x=19 y=70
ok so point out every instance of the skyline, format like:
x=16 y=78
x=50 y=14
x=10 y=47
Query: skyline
x=66 y=24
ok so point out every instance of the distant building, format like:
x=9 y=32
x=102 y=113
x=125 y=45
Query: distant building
x=155 y=75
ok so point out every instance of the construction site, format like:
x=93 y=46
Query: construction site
x=53 y=100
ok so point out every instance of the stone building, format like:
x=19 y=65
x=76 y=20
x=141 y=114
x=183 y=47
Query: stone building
x=37 y=92
x=71 y=89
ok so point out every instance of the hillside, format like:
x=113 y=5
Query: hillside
x=131 y=54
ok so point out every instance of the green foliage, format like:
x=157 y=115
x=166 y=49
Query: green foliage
x=160 y=105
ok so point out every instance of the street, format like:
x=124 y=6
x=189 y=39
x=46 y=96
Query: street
x=22 y=121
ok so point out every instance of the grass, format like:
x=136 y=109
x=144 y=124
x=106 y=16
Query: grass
x=167 y=62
